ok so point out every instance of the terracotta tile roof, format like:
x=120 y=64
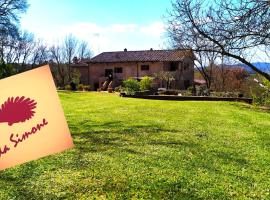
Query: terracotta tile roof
x=142 y=56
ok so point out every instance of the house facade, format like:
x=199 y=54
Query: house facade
x=109 y=69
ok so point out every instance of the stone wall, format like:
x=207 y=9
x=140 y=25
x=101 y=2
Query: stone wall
x=94 y=74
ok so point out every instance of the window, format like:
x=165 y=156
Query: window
x=145 y=67
x=118 y=70
x=173 y=66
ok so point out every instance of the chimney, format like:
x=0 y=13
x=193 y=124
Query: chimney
x=125 y=49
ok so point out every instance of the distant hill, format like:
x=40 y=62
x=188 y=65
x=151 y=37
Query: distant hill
x=263 y=66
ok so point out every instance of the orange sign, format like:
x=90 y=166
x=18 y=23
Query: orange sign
x=32 y=122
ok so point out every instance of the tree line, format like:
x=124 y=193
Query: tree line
x=20 y=50
x=216 y=31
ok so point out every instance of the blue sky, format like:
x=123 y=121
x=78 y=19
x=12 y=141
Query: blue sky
x=107 y=25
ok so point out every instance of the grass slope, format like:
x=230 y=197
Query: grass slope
x=143 y=149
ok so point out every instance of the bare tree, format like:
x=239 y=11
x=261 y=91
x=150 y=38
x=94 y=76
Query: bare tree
x=40 y=54
x=8 y=48
x=69 y=50
x=229 y=79
x=57 y=60
x=17 y=49
x=167 y=77
x=26 y=45
x=84 y=50
x=227 y=27
x=205 y=63
x=63 y=55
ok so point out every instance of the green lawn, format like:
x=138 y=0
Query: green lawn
x=143 y=149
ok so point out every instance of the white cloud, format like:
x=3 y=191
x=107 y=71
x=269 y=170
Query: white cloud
x=106 y=38
x=123 y=28
x=155 y=29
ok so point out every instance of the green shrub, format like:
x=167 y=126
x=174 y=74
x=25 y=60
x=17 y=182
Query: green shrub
x=6 y=70
x=190 y=89
x=67 y=87
x=60 y=88
x=86 y=87
x=118 y=89
x=76 y=76
x=146 y=83
x=262 y=99
x=260 y=92
x=169 y=92
x=80 y=87
x=203 y=91
x=226 y=94
x=185 y=93
x=131 y=86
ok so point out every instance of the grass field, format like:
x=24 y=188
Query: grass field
x=143 y=149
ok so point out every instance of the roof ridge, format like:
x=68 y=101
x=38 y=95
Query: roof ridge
x=142 y=55
x=145 y=50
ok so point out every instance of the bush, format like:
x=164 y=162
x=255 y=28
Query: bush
x=226 y=94
x=169 y=92
x=60 y=88
x=262 y=100
x=260 y=91
x=76 y=76
x=261 y=97
x=118 y=89
x=203 y=91
x=67 y=87
x=86 y=87
x=146 y=83
x=185 y=93
x=80 y=87
x=131 y=86
x=6 y=70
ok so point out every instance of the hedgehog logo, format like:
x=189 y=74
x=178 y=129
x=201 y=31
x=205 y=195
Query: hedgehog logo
x=17 y=110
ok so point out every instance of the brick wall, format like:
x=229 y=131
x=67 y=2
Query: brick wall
x=94 y=74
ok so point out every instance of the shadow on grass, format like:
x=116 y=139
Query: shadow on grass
x=115 y=139
x=18 y=178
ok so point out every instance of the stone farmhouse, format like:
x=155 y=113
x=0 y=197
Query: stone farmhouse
x=109 y=69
